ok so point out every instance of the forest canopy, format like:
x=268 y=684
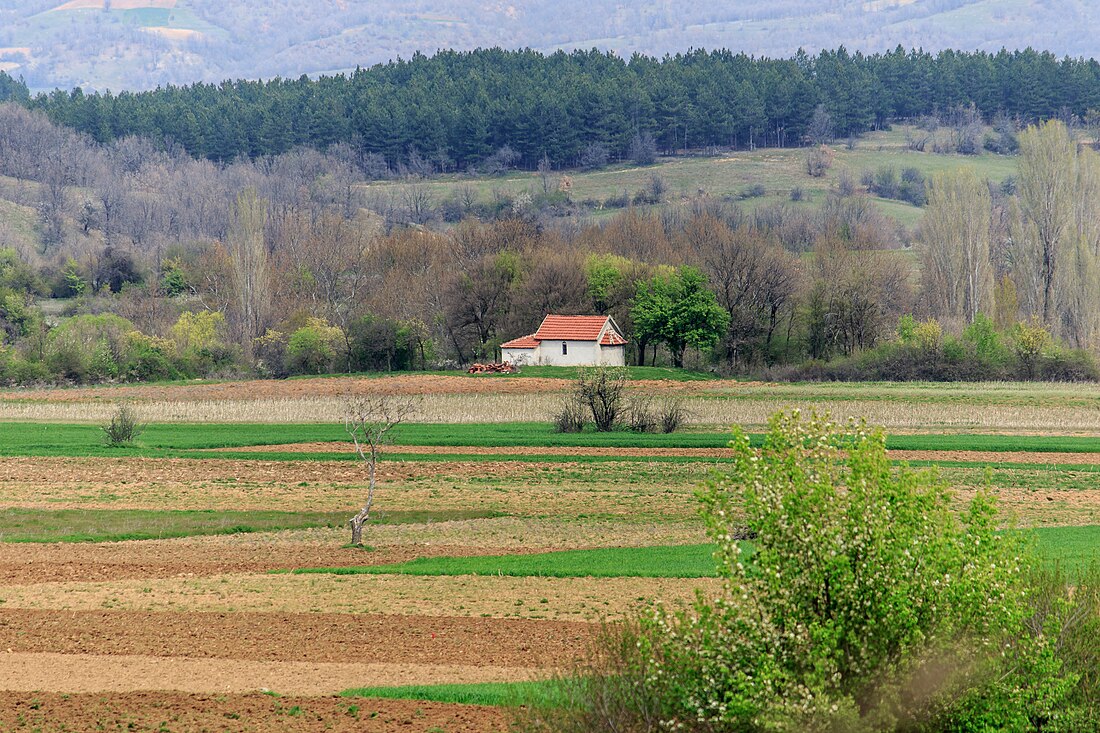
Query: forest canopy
x=459 y=108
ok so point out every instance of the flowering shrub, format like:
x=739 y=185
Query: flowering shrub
x=865 y=602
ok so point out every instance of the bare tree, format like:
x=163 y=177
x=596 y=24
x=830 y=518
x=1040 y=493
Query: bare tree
x=957 y=269
x=417 y=200
x=1047 y=170
x=248 y=253
x=326 y=263
x=546 y=172
x=370 y=420
x=602 y=390
x=820 y=130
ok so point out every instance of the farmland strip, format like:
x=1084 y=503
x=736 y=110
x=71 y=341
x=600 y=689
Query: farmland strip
x=298 y=637
x=146 y=711
x=30 y=671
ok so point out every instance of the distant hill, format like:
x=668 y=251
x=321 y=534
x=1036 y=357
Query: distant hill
x=139 y=44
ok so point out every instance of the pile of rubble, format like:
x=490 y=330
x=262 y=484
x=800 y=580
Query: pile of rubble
x=503 y=367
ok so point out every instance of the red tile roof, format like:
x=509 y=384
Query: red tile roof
x=523 y=342
x=570 y=328
x=612 y=338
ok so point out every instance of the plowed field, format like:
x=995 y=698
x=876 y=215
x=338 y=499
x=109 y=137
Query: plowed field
x=199 y=633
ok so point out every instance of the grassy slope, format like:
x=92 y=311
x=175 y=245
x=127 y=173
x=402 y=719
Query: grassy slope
x=777 y=170
x=1070 y=546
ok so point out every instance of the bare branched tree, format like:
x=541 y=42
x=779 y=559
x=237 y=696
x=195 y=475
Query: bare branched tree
x=369 y=420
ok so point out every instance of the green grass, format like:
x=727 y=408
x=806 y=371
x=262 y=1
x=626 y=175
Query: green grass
x=59 y=439
x=1070 y=546
x=193 y=439
x=110 y=525
x=778 y=170
x=497 y=694
x=668 y=561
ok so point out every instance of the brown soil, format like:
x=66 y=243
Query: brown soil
x=410 y=384
x=22 y=564
x=567 y=599
x=969 y=456
x=702 y=453
x=1045 y=507
x=216 y=483
x=160 y=711
x=490 y=450
x=298 y=637
x=223 y=473
x=128 y=673
x=228 y=484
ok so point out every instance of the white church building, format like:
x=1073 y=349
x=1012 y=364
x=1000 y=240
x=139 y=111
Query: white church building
x=569 y=341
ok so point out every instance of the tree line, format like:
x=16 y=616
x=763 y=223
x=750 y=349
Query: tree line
x=456 y=109
x=168 y=265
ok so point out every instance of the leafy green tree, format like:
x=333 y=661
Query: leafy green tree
x=605 y=274
x=679 y=311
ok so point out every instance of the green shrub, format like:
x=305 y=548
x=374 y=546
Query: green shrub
x=149 y=359
x=88 y=347
x=867 y=604
x=123 y=428
x=316 y=348
x=983 y=336
x=200 y=342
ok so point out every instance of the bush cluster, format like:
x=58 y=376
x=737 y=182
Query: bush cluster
x=922 y=352
x=108 y=348
x=599 y=399
x=865 y=603
x=910 y=186
x=313 y=346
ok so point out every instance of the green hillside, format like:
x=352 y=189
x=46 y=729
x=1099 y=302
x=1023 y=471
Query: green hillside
x=733 y=175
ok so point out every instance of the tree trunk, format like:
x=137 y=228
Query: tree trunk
x=357 y=523
x=363 y=514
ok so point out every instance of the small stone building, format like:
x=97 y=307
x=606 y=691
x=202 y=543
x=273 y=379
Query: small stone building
x=569 y=341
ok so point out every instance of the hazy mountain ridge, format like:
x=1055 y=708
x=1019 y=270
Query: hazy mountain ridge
x=135 y=44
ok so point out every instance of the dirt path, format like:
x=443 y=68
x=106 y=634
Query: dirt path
x=277 y=637
x=177 y=711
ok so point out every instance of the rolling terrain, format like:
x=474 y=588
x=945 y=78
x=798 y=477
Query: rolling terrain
x=200 y=578
x=138 y=44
